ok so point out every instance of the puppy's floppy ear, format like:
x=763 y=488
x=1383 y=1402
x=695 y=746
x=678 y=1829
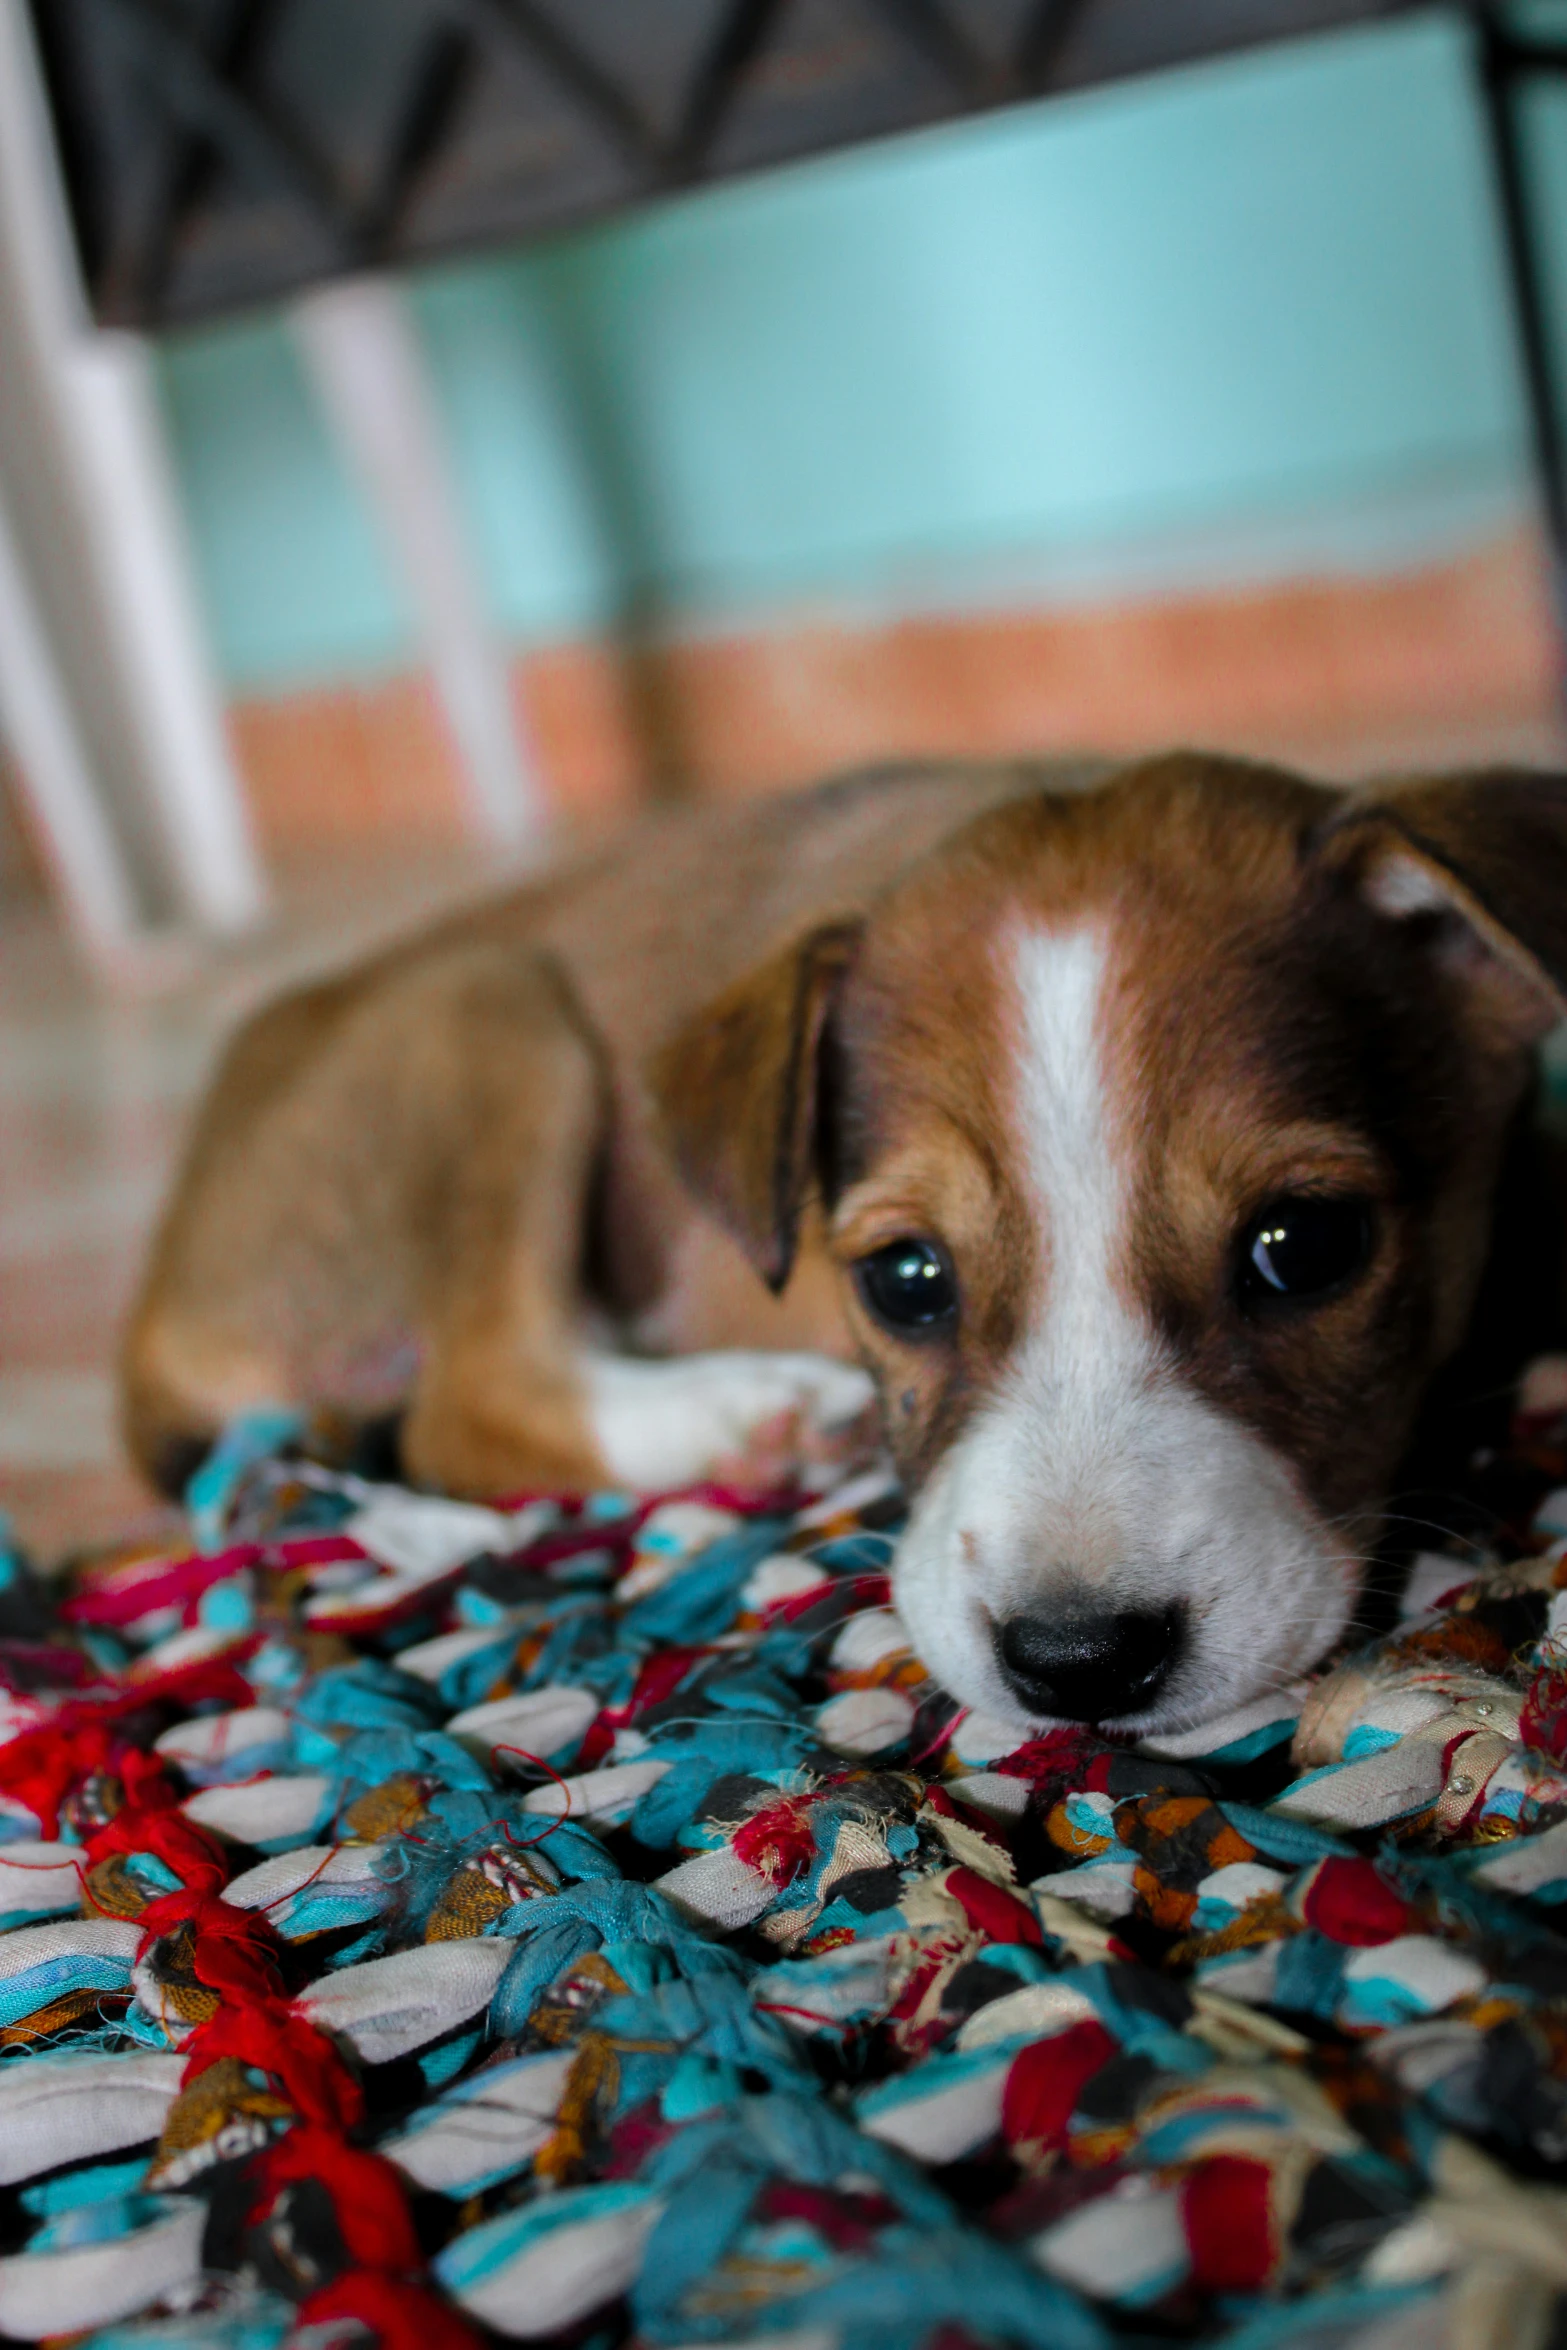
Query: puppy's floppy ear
x=738 y=1089
x=1481 y=861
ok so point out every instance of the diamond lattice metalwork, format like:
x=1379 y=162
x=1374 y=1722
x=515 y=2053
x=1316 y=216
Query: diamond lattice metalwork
x=222 y=152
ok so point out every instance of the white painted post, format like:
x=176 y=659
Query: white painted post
x=118 y=565
x=363 y=354
x=152 y=606
x=56 y=775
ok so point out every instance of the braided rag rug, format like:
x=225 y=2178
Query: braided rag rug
x=584 y=1922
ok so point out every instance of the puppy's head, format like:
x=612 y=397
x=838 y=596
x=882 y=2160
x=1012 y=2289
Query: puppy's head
x=1155 y=1131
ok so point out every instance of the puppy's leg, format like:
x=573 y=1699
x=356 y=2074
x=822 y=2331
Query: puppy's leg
x=511 y=1394
x=386 y=1192
x=507 y=1162
x=405 y=1168
x=210 y=1334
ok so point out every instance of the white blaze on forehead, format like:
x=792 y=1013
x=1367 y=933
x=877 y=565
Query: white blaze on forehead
x=1082 y=1375
x=1093 y=1469
x=1071 y=1149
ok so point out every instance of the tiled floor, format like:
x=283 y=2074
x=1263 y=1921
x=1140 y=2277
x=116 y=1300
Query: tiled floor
x=94 y=1093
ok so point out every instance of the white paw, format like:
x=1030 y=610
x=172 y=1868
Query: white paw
x=749 y=1419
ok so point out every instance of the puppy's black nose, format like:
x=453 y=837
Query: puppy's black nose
x=1088 y=1664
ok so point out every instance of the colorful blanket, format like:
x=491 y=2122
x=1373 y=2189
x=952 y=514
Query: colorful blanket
x=585 y=1922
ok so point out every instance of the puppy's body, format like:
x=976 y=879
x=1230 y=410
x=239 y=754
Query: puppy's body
x=323 y=1234
x=720 y=1089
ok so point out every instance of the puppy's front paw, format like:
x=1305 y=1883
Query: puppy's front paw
x=753 y=1421
x=458 y=1441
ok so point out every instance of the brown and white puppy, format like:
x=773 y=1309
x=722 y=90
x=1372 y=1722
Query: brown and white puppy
x=1136 y=1132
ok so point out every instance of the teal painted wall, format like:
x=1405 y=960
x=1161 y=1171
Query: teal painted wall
x=295 y=582
x=1237 y=319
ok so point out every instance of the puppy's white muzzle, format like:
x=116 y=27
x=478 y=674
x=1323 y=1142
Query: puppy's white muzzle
x=1133 y=1557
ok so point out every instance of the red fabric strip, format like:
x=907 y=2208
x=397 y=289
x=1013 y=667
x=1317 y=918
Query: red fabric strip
x=1046 y=2081
x=779 y=1843
x=235 y=1952
x=195 y=1857
x=303 y=2061
x=1543 y=1723
x=126 y=1593
x=1058 y=1763
x=862 y=1590
x=400 y=2316
x=367 y=2194
x=1227 y=2211
x=992 y=1909
x=40 y=1767
x=1351 y=1903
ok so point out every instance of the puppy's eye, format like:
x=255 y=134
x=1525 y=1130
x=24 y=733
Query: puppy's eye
x=909 y=1287
x=1303 y=1250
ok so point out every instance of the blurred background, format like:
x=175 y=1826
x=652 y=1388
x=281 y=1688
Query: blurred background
x=433 y=430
